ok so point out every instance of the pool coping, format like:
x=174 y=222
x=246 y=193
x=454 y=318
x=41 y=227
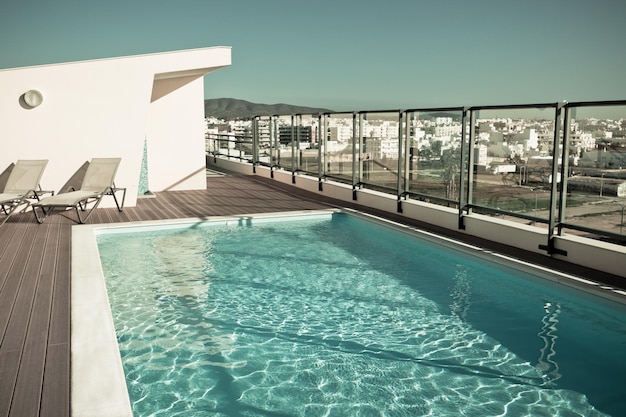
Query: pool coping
x=98 y=386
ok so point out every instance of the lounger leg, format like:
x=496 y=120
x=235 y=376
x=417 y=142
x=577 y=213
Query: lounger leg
x=4 y=220
x=119 y=207
x=45 y=214
x=12 y=209
x=80 y=219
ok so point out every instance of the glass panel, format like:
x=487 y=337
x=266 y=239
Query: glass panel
x=283 y=137
x=263 y=127
x=211 y=144
x=308 y=143
x=338 y=146
x=434 y=154
x=230 y=138
x=513 y=153
x=381 y=149
x=596 y=184
x=241 y=139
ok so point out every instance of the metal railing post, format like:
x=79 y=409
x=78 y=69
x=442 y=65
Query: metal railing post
x=399 y=185
x=293 y=149
x=355 y=155
x=272 y=145
x=361 y=152
x=549 y=247
x=322 y=132
x=564 y=168
x=466 y=188
x=298 y=161
x=255 y=143
x=407 y=151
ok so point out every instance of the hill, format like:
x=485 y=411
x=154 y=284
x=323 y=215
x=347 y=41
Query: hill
x=230 y=108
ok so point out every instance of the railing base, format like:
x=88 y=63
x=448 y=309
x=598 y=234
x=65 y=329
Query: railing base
x=552 y=250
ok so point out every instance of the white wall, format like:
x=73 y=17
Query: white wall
x=175 y=163
x=106 y=108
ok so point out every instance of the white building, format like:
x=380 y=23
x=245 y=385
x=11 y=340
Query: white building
x=528 y=138
x=582 y=141
x=389 y=148
x=448 y=130
x=109 y=108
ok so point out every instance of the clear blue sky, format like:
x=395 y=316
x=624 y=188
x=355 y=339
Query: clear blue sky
x=348 y=54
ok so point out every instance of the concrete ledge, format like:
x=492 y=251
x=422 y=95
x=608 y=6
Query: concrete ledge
x=230 y=165
x=377 y=200
x=593 y=253
x=507 y=232
x=440 y=216
x=95 y=355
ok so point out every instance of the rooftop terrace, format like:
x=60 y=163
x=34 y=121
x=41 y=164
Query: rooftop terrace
x=35 y=270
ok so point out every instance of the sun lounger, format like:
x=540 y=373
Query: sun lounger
x=97 y=182
x=22 y=186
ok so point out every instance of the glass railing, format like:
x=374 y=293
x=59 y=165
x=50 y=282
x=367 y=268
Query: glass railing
x=230 y=146
x=434 y=150
x=513 y=149
x=337 y=152
x=595 y=201
x=560 y=165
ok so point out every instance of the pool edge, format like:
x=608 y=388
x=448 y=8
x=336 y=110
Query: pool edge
x=98 y=383
x=586 y=285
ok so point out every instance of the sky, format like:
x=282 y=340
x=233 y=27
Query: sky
x=348 y=55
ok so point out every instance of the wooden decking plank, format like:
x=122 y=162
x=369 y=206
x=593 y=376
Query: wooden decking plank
x=30 y=378
x=60 y=312
x=17 y=325
x=150 y=211
x=167 y=210
x=27 y=391
x=123 y=216
x=9 y=364
x=20 y=316
x=55 y=396
x=10 y=238
x=7 y=234
x=13 y=266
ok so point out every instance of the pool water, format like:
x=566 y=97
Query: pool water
x=339 y=316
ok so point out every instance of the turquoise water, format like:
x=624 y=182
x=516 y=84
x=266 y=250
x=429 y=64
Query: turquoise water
x=346 y=318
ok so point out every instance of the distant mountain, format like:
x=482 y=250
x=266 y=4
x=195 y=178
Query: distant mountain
x=230 y=108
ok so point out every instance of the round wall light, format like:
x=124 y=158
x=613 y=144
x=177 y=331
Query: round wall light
x=33 y=98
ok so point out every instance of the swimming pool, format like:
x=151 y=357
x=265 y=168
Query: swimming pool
x=332 y=314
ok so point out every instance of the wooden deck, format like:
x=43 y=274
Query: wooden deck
x=35 y=280
x=35 y=284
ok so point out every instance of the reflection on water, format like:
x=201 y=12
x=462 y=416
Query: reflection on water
x=461 y=293
x=235 y=324
x=546 y=362
x=180 y=260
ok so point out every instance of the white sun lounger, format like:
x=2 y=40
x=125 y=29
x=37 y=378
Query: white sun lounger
x=97 y=182
x=22 y=185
